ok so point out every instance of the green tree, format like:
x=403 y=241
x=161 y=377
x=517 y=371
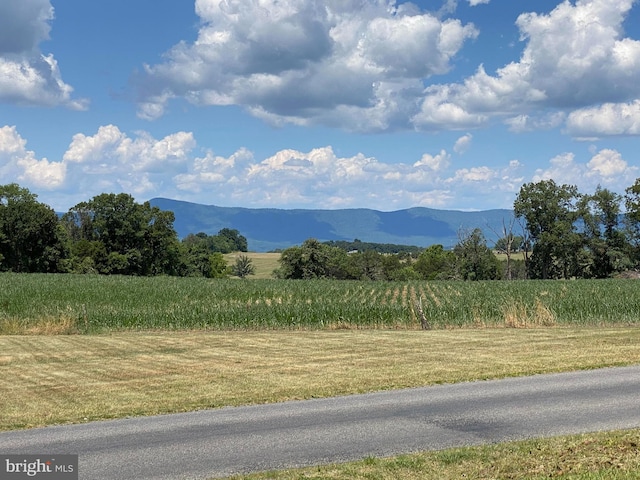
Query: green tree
x=632 y=219
x=30 y=237
x=122 y=236
x=218 y=266
x=606 y=245
x=233 y=241
x=367 y=265
x=226 y=241
x=550 y=215
x=312 y=260
x=435 y=263
x=243 y=267
x=474 y=259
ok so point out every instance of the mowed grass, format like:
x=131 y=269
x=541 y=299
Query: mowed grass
x=593 y=456
x=46 y=380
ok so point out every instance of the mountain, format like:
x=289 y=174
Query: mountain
x=270 y=229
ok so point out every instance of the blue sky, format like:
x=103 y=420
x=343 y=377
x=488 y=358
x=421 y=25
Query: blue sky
x=318 y=104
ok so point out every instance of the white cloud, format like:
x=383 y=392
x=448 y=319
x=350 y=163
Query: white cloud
x=474 y=3
x=307 y=61
x=529 y=123
x=19 y=163
x=474 y=174
x=463 y=144
x=607 y=119
x=436 y=163
x=28 y=76
x=572 y=57
x=112 y=161
x=607 y=164
x=606 y=168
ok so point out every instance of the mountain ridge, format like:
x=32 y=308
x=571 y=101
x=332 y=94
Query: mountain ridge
x=273 y=228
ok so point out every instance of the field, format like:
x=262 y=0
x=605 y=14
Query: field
x=162 y=345
x=40 y=303
x=265 y=263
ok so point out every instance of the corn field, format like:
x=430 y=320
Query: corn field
x=40 y=303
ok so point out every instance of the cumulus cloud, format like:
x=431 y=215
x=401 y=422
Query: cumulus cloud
x=353 y=64
x=27 y=76
x=607 y=119
x=606 y=168
x=111 y=160
x=572 y=58
x=436 y=163
x=474 y=3
x=19 y=163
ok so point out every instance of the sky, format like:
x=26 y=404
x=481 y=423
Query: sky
x=318 y=104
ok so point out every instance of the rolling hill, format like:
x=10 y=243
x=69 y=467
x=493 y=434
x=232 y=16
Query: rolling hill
x=270 y=229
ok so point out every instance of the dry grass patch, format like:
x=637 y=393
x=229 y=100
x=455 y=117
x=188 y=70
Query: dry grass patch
x=517 y=315
x=597 y=456
x=63 y=324
x=47 y=380
x=265 y=263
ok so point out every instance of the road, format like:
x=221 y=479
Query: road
x=228 y=441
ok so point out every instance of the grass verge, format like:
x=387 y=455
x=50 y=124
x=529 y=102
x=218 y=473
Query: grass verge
x=47 y=380
x=596 y=456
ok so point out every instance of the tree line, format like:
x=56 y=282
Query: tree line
x=470 y=259
x=109 y=234
x=567 y=234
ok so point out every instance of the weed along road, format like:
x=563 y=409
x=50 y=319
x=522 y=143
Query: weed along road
x=222 y=442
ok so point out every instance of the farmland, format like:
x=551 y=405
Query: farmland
x=180 y=344
x=41 y=303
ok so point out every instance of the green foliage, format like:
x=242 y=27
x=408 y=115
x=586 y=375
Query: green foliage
x=435 y=263
x=30 y=240
x=474 y=260
x=115 y=302
x=312 y=260
x=226 y=241
x=511 y=243
x=551 y=213
x=606 y=248
x=243 y=267
x=576 y=235
x=116 y=235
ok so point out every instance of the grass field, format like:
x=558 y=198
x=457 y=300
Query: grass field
x=265 y=263
x=73 y=378
x=593 y=456
x=40 y=303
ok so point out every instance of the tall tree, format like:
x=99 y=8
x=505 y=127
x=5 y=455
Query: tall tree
x=435 y=263
x=312 y=260
x=474 y=259
x=30 y=239
x=550 y=215
x=604 y=240
x=632 y=218
x=122 y=236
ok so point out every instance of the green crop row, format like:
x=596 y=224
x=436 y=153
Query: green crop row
x=86 y=303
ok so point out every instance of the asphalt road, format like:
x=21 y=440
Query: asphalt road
x=227 y=441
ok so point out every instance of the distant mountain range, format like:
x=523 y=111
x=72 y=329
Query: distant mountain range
x=270 y=229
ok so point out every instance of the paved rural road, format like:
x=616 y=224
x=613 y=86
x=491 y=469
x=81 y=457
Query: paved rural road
x=236 y=440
